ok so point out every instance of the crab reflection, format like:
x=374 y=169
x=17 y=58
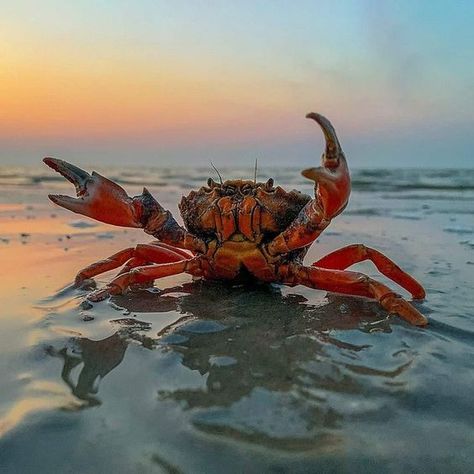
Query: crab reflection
x=245 y=341
x=98 y=359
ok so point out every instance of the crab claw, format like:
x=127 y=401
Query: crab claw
x=332 y=179
x=97 y=197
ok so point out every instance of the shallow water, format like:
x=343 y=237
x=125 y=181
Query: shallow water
x=192 y=376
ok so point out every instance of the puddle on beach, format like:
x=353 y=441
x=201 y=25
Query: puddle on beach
x=194 y=376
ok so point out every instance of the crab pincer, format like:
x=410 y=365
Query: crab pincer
x=97 y=196
x=332 y=180
x=332 y=187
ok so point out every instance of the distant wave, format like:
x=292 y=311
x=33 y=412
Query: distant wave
x=363 y=180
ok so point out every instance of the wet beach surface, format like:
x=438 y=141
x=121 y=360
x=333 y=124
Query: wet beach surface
x=193 y=376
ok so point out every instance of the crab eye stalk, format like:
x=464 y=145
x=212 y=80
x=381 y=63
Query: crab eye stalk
x=269 y=185
x=211 y=183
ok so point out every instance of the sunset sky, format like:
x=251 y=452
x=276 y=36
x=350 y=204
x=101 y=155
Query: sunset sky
x=185 y=82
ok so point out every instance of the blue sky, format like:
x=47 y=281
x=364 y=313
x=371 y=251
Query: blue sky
x=158 y=82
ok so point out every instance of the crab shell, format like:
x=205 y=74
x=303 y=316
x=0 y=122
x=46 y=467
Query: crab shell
x=241 y=210
x=234 y=219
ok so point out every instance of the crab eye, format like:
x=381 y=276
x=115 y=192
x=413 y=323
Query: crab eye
x=269 y=184
x=211 y=183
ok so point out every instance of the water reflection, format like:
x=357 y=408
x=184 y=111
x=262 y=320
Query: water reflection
x=98 y=358
x=275 y=370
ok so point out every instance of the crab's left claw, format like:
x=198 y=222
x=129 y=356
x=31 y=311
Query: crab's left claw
x=97 y=197
x=332 y=187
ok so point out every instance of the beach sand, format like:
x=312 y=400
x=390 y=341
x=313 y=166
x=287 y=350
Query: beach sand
x=192 y=376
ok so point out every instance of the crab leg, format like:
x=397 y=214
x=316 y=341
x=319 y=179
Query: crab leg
x=183 y=253
x=102 y=266
x=106 y=201
x=131 y=264
x=156 y=253
x=138 y=262
x=351 y=283
x=332 y=189
x=345 y=257
x=145 y=274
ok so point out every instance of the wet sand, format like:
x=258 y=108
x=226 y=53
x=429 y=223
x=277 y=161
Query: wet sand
x=192 y=376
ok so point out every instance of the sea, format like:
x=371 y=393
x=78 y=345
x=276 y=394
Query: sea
x=191 y=376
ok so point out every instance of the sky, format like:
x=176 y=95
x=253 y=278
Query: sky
x=181 y=83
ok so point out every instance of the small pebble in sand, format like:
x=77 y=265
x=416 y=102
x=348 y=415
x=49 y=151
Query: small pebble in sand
x=344 y=309
x=105 y=235
x=87 y=317
x=82 y=224
x=86 y=305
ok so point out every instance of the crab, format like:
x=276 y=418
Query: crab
x=239 y=230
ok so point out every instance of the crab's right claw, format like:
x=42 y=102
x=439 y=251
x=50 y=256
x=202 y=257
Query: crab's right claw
x=332 y=180
x=97 y=197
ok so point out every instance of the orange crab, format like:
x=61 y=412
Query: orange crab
x=239 y=230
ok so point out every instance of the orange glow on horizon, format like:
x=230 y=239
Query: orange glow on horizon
x=63 y=99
